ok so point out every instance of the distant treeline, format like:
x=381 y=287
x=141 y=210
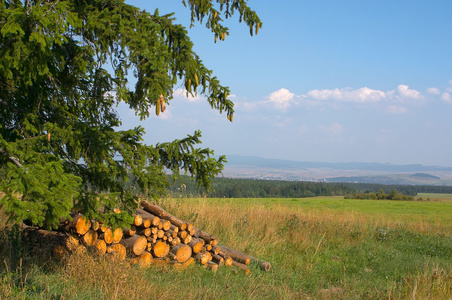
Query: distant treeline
x=381 y=195
x=410 y=190
x=252 y=188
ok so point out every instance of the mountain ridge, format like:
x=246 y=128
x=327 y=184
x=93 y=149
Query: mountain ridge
x=242 y=166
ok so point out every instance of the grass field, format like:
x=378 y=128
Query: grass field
x=435 y=197
x=320 y=248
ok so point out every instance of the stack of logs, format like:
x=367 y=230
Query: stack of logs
x=155 y=237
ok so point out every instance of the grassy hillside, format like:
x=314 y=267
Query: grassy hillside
x=322 y=248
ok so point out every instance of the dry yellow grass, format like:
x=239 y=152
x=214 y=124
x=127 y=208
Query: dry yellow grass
x=314 y=253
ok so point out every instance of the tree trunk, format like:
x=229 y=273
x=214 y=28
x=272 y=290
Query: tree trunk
x=209 y=239
x=213 y=266
x=241 y=266
x=144 y=231
x=263 y=265
x=147 y=215
x=182 y=252
x=196 y=245
x=236 y=255
x=117 y=235
x=95 y=225
x=71 y=243
x=163 y=214
x=130 y=231
x=100 y=247
x=136 y=244
x=202 y=258
x=138 y=220
x=144 y=260
x=160 y=249
x=218 y=259
x=89 y=238
x=119 y=251
x=80 y=224
x=59 y=252
x=107 y=236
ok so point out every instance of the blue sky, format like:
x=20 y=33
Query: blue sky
x=333 y=81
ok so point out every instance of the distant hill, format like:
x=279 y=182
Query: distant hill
x=239 y=166
x=402 y=179
x=241 y=160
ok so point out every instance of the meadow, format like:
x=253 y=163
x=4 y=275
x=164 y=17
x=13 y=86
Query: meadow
x=319 y=248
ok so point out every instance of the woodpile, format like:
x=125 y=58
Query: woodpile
x=155 y=237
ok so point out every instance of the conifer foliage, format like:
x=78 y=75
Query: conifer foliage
x=64 y=67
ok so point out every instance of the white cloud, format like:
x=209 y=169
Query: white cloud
x=392 y=99
x=433 y=91
x=365 y=94
x=446 y=97
x=396 y=109
x=362 y=95
x=406 y=93
x=282 y=98
x=335 y=128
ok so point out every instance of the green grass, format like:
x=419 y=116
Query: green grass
x=435 y=196
x=407 y=212
x=321 y=248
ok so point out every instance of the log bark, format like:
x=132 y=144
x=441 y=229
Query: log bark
x=102 y=228
x=138 y=220
x=89 y=238
x=213 y=266
x=95 y=225
x=182 y=266
x=159 y=261
x=107 y=236
x=209 y=239
x=241 y=266
x=202 y=258
x=166 y=225
x=187 y=239
x=144 y=260
x=236 y=255
x=119 y=251
x=160 y=234
x=146 y=223
x=182 y=252
x=216 y=249
x=80 y=224
x=183 y=234
x=144 y=231
x=117 y=235
x=218 y=259
x=130 y=231
x=174 y=228
x=227 y=261
x=71 y=243
x=100 y=247
x=263 y=265
x=196 y=245
x=163 y=214
x=136 y=244
x=59 y=252
x=155 y=221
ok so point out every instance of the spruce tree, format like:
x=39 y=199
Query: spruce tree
x=64 y=68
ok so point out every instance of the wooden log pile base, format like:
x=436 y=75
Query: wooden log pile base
x=155 y=237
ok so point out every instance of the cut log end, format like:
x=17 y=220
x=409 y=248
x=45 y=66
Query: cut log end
x=160 y=249
x=144 y=260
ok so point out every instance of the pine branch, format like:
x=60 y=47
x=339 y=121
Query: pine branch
x=11 y=158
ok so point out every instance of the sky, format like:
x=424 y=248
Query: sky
x=331 y=81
